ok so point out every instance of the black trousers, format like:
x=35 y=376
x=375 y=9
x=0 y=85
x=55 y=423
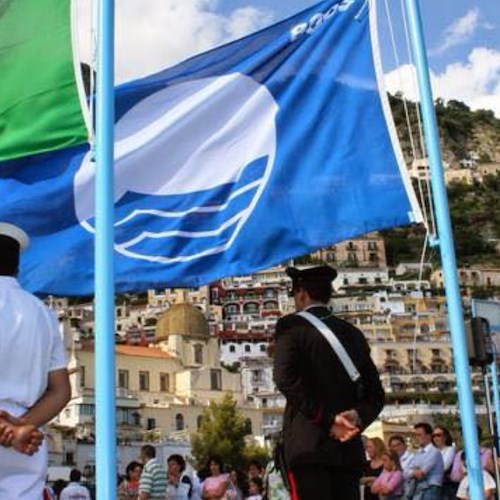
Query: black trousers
x=320 y=482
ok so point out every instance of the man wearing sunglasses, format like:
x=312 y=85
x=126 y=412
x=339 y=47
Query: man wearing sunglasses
x=327 y=405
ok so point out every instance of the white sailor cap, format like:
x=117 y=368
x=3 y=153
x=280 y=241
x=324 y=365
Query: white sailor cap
x=16 y=233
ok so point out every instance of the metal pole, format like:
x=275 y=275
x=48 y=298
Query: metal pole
x=448 y=260
x=106 y=468
x=496 y=399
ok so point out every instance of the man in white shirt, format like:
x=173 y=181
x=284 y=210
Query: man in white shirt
x=74 y=490
x=34 y=379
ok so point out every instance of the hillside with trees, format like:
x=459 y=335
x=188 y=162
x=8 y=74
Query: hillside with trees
x=461 y=130
x=474 y=209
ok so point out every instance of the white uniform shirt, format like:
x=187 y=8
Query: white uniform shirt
x=30 y=346
x=75 y=491
x=463 y=488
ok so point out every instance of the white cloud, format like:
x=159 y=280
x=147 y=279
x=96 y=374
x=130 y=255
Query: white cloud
x=475 y=82
x=154 y=34
x=459 y=31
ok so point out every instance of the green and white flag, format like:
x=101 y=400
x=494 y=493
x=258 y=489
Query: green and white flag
x=40 y=106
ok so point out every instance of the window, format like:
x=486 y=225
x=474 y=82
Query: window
x=179 y=422
x=372 y=245
x=352 y=257
x=87 y=410
x=373 y=257
x=362 y=281
x=215 y=380
x=232 y=348
x=251 y=307
x=262 y=347
x=257 y=376
x=136 y=418
x=151 y=424
x=198 y=354
x=248 y=425
x=123 y=379
x=247 y=348
x=164 y=382
x=232 y=309
x=345 y=281
x=82 y=376
x=144 y=381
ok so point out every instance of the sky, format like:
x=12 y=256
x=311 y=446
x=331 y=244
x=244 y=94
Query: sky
x=462 y=38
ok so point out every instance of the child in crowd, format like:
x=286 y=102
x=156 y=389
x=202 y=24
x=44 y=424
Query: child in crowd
x=389 y=485
x=255 y=488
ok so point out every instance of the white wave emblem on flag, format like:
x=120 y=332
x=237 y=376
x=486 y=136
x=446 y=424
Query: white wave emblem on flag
x=191 y=162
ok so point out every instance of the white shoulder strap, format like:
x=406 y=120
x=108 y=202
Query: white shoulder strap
x=334 y=342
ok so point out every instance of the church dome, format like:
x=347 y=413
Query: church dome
x=182 y=319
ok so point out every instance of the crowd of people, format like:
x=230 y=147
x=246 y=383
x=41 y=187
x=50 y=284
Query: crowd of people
x=435 y=470
x=149 y=479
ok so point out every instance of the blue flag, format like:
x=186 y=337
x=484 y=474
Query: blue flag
x=235 y=160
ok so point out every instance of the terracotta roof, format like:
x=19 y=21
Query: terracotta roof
x=145 y=352
x=132 y=350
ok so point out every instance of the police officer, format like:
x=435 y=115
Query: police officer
x=34 y=383
x=326 y=411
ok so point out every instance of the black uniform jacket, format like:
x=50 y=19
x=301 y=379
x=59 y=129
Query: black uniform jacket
x=317 y=387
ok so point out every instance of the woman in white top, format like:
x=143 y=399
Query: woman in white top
x=488 y=481
x=441 y=438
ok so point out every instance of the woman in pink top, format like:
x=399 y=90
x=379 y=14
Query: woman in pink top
x=215 y=485
x=389 y=485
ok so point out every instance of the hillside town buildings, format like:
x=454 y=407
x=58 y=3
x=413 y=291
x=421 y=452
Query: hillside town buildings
x=177 y=351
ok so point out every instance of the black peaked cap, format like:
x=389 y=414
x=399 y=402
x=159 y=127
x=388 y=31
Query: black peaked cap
x=317 y=273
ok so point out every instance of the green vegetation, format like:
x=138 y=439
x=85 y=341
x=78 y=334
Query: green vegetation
x=461 y=130
x=222 y=432
x=475 y=217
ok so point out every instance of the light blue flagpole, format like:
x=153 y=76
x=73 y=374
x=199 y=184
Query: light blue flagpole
x=496 y=397
x=448 y=260
x=106 y=469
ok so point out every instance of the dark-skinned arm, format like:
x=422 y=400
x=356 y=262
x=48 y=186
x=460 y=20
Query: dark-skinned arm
x=53 y=400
